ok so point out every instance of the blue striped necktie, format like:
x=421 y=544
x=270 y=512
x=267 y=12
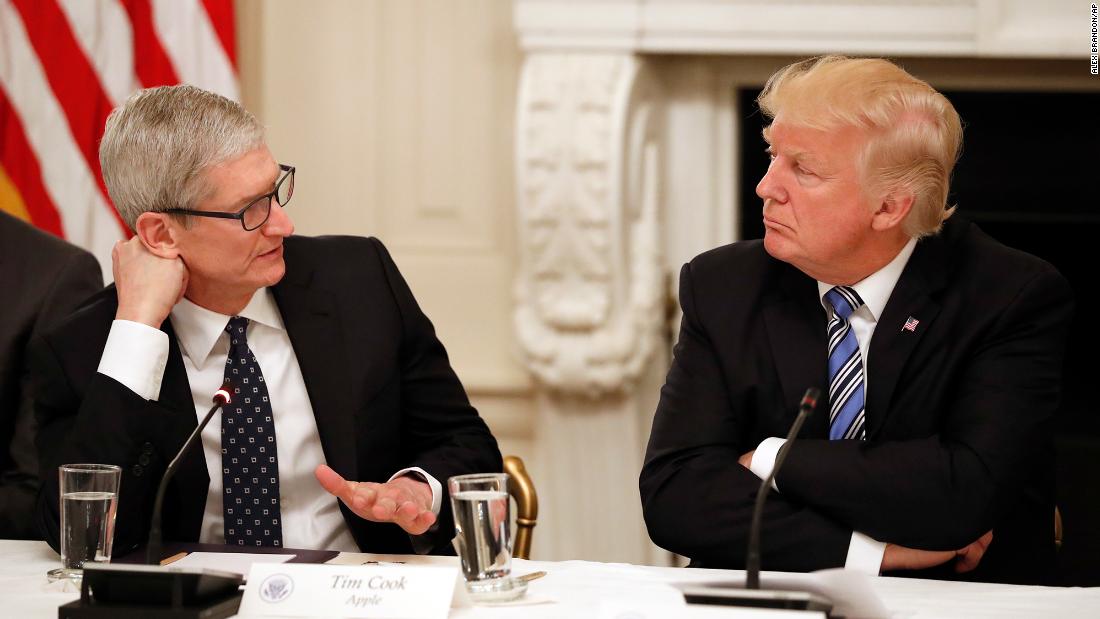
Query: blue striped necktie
x=846 y=387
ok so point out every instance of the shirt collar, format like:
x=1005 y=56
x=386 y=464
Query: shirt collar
x=876 y=288
x=198 y=328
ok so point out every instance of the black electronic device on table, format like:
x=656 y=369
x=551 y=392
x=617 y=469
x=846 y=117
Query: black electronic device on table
x=154 y=592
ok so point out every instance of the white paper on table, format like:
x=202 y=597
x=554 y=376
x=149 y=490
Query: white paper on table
x=619 y=609
x=370 y=558
x=851 y=593
x=235 y=562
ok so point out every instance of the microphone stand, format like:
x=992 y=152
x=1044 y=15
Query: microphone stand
x=752 y=553
x=729 y=594
x=153 y=548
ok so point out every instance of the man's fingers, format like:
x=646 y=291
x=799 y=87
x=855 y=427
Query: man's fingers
x=985 y=540
x=971 y=556
x=968 y=559
x=335 y=484
x=330 y=480
x=746 y=459
x=413 y=519
x=426 y=519
x=384 y=508
x=363 y=496
x=405 y=516
x=359 y=496
x=407 y=512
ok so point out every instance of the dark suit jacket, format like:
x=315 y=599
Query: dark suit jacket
x=382 y=390
x=42 y=279
x=958 y=412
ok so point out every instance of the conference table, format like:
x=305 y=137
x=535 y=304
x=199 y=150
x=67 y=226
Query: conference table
x=591 y=589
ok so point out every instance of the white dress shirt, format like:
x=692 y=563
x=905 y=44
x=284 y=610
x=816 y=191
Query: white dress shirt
x=136 y=354
x=864 y=553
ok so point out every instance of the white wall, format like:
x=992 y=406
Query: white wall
x=399 y=116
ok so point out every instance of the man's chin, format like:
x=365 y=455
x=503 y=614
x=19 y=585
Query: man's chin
x=273 y=274
x=776 y=246
x=279 y=274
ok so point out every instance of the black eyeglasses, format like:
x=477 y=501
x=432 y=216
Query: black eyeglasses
x=255 y=214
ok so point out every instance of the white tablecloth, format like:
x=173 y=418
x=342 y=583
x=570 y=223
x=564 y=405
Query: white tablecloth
x=582 y=588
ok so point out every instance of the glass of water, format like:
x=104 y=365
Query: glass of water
x=89 y=498
x=483 y=525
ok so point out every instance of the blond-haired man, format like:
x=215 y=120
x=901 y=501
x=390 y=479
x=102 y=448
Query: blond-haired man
x=939 y=351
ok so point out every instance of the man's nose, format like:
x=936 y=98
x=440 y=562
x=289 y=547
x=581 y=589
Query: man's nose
x=770 y=188
x=278 y=223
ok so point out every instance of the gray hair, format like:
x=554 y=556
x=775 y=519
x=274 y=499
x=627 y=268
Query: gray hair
x=157 y=146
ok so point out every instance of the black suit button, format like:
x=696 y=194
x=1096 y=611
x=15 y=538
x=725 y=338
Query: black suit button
x=143 y=459
x=137 y=470
x=147 y=449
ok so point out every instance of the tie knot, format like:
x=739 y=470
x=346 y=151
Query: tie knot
x=844 y=300
x=236 y=328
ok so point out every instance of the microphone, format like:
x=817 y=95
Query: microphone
x=153 y=548
x=730 y=594
x=752 y=553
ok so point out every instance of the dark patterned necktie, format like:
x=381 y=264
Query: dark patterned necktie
x=250 y=463
x=846 y=388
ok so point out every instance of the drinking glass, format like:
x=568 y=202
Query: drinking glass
x=89 y=498
x=483 y=527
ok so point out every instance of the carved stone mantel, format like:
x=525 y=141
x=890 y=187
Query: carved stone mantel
x=625 y=168
x=589 y=297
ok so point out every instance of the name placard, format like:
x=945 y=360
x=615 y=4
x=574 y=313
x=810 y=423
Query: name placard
x=303 y=590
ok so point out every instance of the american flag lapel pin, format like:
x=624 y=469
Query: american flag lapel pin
x=910 y=325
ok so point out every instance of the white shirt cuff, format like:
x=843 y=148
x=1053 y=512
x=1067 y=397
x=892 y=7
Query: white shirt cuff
x=763 y=459
x=422 y=544
x=135 y=355
x=865 y=554
x=433 y=483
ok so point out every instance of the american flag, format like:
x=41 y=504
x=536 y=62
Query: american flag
x=911 y=325
x=64 y=65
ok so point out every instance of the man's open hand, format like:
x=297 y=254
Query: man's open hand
x=404 y=501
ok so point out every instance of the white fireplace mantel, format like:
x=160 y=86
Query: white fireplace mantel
x=972 y=28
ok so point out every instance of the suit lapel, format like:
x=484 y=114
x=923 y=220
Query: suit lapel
x=192 y=479
x=892 y=344
x=313 y=323
x=795 y=323
x=175 y=390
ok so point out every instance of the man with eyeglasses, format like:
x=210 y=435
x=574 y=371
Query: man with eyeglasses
x=345 y=413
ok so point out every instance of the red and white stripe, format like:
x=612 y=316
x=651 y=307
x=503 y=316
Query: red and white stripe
x=64 y=64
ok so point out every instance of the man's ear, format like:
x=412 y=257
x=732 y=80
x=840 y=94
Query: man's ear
x=158 y=233
x=892 y=209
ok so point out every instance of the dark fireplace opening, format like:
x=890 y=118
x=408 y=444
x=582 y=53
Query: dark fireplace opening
x=1028 y=177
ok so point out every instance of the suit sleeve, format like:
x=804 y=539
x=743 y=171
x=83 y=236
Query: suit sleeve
x=106 y=423
x=696 y=498
x=77 y=278
x=443 y=432
x=954 y=483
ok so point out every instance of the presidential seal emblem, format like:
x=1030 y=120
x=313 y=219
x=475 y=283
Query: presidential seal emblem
x=276 y=588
